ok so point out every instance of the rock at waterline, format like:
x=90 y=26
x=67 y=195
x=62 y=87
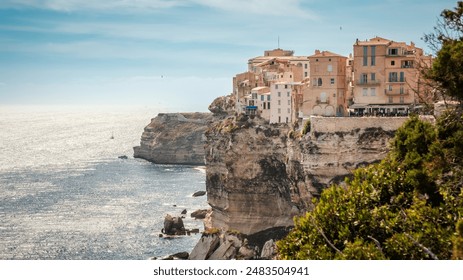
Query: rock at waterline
x=183 y=212
x=199 y=193
x=199 y=214
x=123 y=157
x=173 y=226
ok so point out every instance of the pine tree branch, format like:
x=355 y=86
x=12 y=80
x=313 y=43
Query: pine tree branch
x=425 y=249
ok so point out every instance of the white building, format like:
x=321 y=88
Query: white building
x=281 y=102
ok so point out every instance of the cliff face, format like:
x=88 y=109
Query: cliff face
x=174 y=139
x=260 y=176
x=247 y=181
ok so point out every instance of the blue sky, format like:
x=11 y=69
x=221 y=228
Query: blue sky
x=177 y=54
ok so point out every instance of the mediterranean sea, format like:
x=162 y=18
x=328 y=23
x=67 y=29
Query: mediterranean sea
x=66 y=194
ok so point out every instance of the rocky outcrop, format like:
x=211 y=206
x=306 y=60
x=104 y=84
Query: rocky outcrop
x=173 y=226
x=216 y=244
x=174 y=139
x=259 y=176
x=178 y=138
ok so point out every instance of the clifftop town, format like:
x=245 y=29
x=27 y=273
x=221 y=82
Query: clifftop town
x=382 y=77
x=288 y=131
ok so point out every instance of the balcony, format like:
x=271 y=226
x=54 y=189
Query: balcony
x=397 y=92
x=397 y=80
x=362 y=82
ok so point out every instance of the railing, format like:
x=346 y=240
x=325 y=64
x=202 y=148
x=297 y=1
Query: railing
x=368 y=82
x=396 y=92
x=398 y=80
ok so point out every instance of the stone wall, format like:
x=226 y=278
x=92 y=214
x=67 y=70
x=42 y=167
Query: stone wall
x=347 y=124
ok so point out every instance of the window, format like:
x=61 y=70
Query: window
x=365 y=56
x=276 y=86
x=305 y=74
x=364 y=78
x=407 y=64
x=289 y=102
x=390 y=88
x=288 y=94
x=393 y=77
x=279 y=94
x=401 y=99
x=279 y=102
x=373 y=91
x=261 y=98
x=365 y=92
x=264 y=105
x=289 y=112
x=401 y=90
x=279 y=119
x=279 y=111
x=286 y=86
x=286 y=119
x=373 y=76
x=373 y=55
x=268 y=97
x=391 y=100
x=402 y=77
x=305 y=66
x=393 y=51
x=330 y=68
x=320 y=82
x=332 y=81
x=392 y=62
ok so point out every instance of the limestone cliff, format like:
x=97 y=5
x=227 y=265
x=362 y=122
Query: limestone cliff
x=174 y=139
x=258 y=176
x=178 y=138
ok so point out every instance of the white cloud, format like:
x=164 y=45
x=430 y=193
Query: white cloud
x=260 y=7
x=291 y=8
x=72 y=5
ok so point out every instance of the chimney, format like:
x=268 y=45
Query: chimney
x=317 y=51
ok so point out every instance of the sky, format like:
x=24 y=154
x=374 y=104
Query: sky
x=177 y=54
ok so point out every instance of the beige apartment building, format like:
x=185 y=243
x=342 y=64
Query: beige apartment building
x=386 y=78
x=326 y=94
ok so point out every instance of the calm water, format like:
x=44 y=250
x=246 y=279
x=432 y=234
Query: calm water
x=65 y=194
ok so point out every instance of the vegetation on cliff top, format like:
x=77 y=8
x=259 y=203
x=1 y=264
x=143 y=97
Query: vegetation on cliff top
x=410 y=205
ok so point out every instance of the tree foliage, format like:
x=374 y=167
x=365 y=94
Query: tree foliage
x=447 y=41
x=405 y=207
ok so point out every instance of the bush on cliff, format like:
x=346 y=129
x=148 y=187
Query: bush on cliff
x=405 y=207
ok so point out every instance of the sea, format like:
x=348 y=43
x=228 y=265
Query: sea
x=66 y=195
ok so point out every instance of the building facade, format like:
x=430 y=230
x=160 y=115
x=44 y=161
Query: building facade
x=387 y=80
x=326 y=93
